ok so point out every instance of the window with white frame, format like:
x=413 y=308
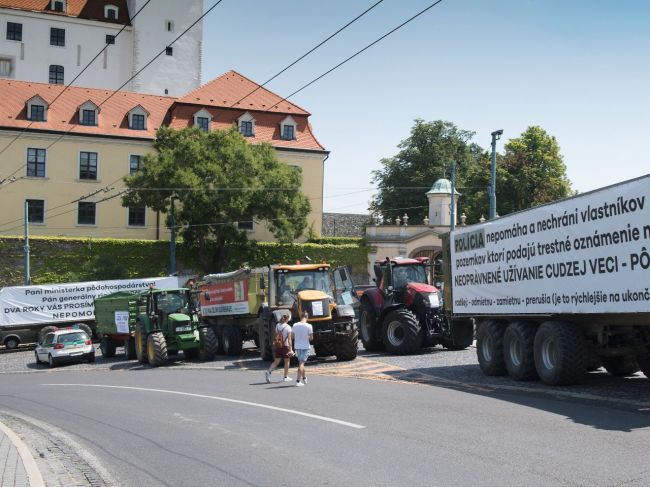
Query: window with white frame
x=246 y=125
x=35 y=211
x=37 y=109
x=86 y=213
x=202 y=120
x=288 y=128
x=138 y=118
x=137 y=217
x=111 y=12
x=6 y=67
x=58 y=5
x=14 y=31
x=56 y=74
x=88 y=166
x=89 y=114
x=57 y=36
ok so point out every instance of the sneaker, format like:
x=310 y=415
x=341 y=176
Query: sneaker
x=304 y=380
x=287 y=379
x=299 y=384
x=267 y=376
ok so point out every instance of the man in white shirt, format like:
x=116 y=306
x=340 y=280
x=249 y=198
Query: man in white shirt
x=303 y=333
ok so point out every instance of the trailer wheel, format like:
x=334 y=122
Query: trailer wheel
x=129 y=349
x=561 y=353
x=141 y=342
x=11 y=343
x=208 y=344
x=519 y=350
x=157 y=349
x=107 y=346
x=368 y=328
x=232 y=340
x=347 y=346
x=266 y=350
x=489 y=347
x=620 y=366
x=644 y=364
x=401 y=332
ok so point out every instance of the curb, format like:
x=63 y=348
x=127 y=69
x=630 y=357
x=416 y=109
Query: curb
x=33 y=473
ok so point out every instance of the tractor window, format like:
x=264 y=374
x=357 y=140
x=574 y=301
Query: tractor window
x=172 y=303
x=404 y=274
x=290 y=283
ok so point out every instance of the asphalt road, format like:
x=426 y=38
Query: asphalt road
x=221 y=424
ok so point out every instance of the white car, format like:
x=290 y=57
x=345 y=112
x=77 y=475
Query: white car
x=67 y=345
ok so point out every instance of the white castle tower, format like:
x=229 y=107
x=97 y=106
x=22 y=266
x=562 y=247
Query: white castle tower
x=178 y=71
x=439 y=197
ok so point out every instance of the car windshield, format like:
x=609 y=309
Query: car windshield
x=290 y=283
x=403 y=274
x=172 y=302
x=78 y=336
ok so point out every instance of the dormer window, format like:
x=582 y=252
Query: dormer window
x=37 y=109
x=246 y=124
x=88 y=114
x=288 y=129
x=58 y=6
x=202 y=120
x=111 y=12
x=138 y=118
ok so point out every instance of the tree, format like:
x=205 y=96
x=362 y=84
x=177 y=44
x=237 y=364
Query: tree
x=217 y=179
x=423 y=158
x=534 y=172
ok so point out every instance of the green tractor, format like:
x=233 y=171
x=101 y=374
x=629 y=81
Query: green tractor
x=168 y=323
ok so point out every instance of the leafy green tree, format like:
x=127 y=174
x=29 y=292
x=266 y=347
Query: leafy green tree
x=423 y=158
x=533 y=170
x=217 y=179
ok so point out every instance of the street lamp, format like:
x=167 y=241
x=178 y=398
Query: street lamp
x=172 y=239
x=496 y=135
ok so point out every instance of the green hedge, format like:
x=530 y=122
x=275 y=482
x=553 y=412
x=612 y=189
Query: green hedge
x=337 y=240
x=58 y=259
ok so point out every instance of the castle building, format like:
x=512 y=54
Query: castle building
x=52 y=41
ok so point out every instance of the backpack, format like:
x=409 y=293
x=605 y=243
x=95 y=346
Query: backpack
x=278 y=341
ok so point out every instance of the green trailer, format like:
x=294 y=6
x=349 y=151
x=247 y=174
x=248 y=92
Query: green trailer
x=152 y=326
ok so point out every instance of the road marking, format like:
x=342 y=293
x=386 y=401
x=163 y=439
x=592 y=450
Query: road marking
x=33 y=473
x=224 y=399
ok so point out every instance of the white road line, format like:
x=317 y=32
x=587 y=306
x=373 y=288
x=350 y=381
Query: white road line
x=224 y=399
x=33 y=473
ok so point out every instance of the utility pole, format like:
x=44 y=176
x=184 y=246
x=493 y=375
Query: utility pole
x=172 y=240
x=28 y=278
x=496 y=135
x=452 y=225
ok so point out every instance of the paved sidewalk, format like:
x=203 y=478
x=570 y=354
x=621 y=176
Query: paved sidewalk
x=17 y=466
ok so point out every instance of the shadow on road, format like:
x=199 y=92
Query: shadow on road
x=599 y=390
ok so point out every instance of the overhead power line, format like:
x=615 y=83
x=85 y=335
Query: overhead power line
x=308 y=52
x=71 y=83
x=356 y=54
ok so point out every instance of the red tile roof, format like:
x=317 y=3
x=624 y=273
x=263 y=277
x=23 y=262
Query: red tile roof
x=230 y=87
x=63 y=114
x=84 y=9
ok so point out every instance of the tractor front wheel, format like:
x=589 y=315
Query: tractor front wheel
x=402 y=332
x=369 y=329
x=157 y=349
x=347 y=346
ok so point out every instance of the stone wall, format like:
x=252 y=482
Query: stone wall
x=344 y=224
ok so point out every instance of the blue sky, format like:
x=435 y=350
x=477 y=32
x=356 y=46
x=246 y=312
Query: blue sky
x=577 y=68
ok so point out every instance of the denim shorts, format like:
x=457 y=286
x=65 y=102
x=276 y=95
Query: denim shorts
x=302 y=355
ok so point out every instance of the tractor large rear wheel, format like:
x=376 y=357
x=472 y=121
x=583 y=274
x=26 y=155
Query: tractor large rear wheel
x=401 y=332
x=369 y=328
x=232 y=340
x=157 y=349
x=347 y=346
x=208 y=344
x=141 y=343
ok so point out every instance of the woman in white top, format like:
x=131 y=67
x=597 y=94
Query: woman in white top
x=282 y=348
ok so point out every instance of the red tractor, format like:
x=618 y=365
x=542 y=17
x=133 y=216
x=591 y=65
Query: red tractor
x=404 y=312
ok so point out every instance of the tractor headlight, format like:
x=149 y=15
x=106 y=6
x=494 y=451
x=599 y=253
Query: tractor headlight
x=433 y=301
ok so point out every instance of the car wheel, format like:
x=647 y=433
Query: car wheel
x=91 y=358
x=50 y=360
x=38 y=360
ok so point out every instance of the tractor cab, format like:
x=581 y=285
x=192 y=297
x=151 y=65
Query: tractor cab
x=171 y=310
x=399 y=279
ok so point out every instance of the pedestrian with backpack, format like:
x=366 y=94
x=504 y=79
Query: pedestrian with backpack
x=303 y=333
x=282 y=349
